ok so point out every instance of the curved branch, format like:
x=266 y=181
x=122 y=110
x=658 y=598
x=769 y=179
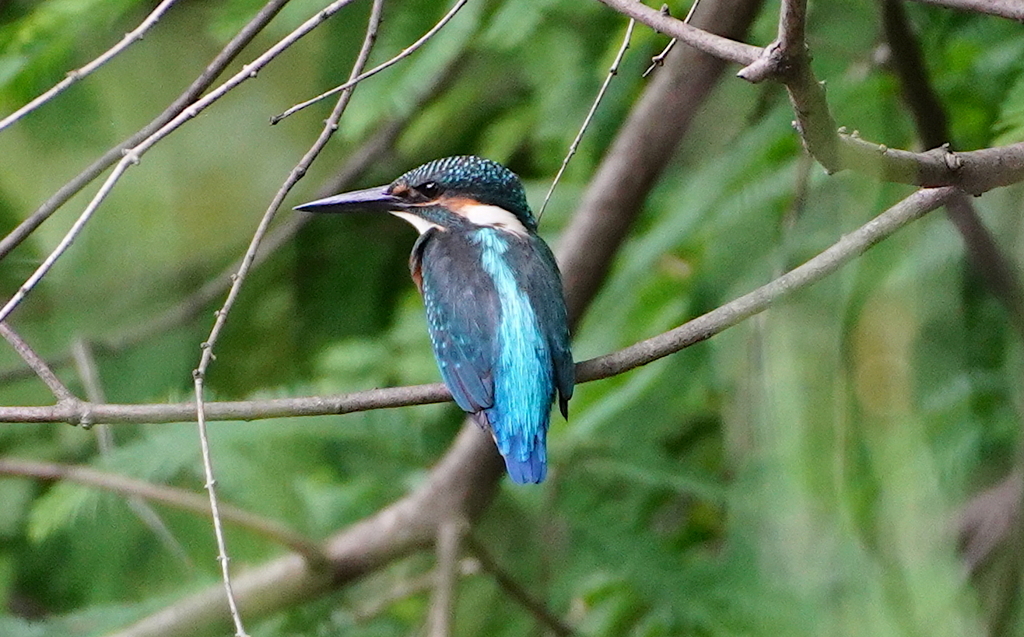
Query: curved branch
x=454 y=485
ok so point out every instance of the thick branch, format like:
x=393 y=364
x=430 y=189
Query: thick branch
x=454 y=486
x=514 y=590
x=908 y=61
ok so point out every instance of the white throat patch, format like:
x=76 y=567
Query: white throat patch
x=492 y=216
x=421 y=224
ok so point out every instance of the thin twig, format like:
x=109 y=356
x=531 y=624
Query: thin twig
x=76 y=75
x=574 y=146
x=166 y=495
x=37 y=364
x=441 y=615
x=516 y=591
x=406 y=52
x=699 y=329
x=109 y=158
x=659 y=59
x=199 y=375
x=132 y=155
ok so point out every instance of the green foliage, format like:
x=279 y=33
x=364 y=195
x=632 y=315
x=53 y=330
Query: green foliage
x=795 y=475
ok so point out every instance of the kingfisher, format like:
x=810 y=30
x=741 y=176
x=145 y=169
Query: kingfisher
x=493 y=296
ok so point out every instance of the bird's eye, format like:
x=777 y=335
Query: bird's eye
x=429 y=189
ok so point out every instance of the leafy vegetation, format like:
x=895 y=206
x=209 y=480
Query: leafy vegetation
x=799 y=474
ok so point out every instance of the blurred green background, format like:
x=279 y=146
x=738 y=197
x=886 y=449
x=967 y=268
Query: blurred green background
x=800 y=474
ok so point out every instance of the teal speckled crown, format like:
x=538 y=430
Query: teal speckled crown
x=481 y=179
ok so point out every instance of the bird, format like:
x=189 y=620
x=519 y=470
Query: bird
x=493 y=296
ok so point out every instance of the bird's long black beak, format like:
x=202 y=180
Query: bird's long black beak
x=369 y=200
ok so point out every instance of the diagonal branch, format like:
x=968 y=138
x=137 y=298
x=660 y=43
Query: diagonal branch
x=37 y=364
x=983 y=253
x=74 y=76
x=454 y=484
x=108 y=159
x=514 y=590
x=464 y=480
x=370 y=151
x=352 y=81
x=716 y=45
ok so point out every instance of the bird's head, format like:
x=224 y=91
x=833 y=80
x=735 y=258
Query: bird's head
x=449 y=193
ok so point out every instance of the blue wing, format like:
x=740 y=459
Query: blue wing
x=544 y=287
x=497 y=321
x=462 y=316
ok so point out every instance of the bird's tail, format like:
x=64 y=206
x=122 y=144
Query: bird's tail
x=526 y=457
x=529 y=467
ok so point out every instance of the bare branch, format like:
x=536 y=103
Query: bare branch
x=1010 y=9
x=404 y=53
x=191 y=94
x=974 y=172
x=76 y=75
x=641 y=150
x=659 y=59
x=370 y=151
x=37 y=364
x=169 y=496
